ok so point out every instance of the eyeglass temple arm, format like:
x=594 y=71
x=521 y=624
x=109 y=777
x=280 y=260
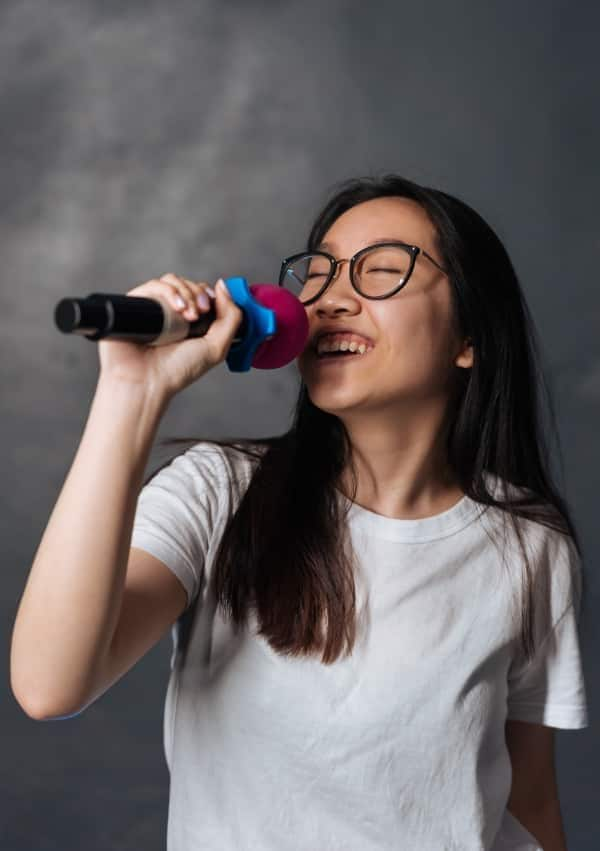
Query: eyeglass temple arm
x=435 y=263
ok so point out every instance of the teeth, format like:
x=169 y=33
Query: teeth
x=343 y=346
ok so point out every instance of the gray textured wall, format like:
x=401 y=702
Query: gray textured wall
x=200 y=137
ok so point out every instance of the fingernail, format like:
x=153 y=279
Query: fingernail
x=202 y=300
x=179 y=301
x=221 y=286
x=211 y=292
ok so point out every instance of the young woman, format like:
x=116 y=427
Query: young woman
x=375 y=615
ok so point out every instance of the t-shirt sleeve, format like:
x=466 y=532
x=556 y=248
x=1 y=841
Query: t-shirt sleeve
x=176 y=513
x=550 y=689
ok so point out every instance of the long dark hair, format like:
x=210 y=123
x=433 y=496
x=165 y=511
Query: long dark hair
x=285 y=552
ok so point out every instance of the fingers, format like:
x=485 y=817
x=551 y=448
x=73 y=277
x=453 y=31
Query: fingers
x=191 y=298
x=187 y=297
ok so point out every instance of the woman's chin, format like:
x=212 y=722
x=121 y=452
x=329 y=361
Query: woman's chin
x=331 y=397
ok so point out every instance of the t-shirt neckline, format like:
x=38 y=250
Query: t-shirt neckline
x=421 y=529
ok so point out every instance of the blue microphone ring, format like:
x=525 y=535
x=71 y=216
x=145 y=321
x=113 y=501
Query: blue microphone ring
x=260 y=322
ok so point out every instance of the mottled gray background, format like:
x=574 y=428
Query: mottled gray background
x=201 y=137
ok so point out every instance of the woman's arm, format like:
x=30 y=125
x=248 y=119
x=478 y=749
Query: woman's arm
x=70 y=606
x=533 y=796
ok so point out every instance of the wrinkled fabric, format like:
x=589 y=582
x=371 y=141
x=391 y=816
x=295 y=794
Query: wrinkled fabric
x=401 y=745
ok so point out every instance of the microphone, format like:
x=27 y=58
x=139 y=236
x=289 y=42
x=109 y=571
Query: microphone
x=273 y=330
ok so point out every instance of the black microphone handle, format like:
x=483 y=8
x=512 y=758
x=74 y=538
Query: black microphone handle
x=135 y=319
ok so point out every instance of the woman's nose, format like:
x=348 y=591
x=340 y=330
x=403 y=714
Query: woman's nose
x=338 y=267
x=339 y=290
x=338 y=274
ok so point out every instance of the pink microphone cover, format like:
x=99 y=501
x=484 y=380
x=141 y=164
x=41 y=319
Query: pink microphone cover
x=292 y=326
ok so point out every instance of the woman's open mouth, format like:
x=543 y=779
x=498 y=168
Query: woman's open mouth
x=339 y=357
x=341 y=346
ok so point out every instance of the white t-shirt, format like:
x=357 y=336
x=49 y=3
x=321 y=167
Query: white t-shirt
x=398 y=746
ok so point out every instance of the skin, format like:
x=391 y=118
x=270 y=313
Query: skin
x=392 y=400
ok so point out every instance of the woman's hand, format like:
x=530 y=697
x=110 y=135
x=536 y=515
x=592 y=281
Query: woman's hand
x=169 y=368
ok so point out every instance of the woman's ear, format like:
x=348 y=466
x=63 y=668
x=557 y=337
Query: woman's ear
x=464 y=358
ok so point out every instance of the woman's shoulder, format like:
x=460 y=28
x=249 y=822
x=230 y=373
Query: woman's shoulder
x=553 y=554
x=531 y=508
x=225 y=461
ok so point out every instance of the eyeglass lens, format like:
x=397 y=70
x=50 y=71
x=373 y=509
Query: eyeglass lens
x=377 y=272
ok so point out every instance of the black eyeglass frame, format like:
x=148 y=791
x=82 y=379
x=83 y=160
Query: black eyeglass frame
x=414 y=251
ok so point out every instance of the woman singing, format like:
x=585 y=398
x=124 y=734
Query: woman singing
x=374 y=615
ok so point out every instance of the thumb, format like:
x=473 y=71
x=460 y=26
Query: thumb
x=227 y=309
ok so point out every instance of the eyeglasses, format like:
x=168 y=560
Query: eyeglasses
x=376 y=272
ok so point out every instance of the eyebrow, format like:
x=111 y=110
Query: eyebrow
x=377 y=241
